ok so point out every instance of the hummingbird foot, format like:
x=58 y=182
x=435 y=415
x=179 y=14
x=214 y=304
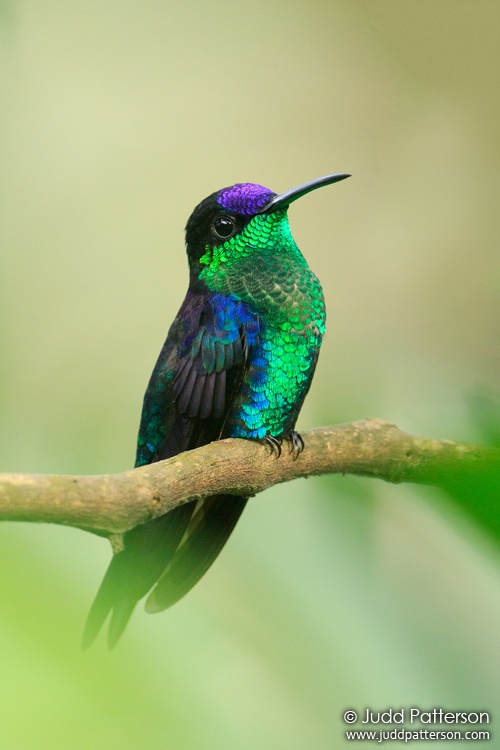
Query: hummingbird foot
x=296 y=444
x=274 y=444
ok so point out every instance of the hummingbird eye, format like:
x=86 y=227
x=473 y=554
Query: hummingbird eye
x=223 y=227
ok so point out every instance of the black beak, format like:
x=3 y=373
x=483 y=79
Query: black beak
x=283 y=200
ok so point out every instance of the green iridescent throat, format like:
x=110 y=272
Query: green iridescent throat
x=263 y=267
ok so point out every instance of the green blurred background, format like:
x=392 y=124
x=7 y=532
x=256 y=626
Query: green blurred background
x=116 y=118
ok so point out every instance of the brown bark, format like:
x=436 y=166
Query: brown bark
x=111 y=503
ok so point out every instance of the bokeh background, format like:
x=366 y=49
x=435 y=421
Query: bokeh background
x=116 y=118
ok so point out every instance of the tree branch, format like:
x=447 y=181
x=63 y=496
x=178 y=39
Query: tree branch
x=112 y=503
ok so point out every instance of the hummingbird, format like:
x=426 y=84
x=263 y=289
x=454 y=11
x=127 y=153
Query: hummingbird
x=238 y=362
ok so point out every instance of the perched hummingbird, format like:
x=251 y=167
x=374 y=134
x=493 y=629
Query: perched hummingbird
x=238 y=361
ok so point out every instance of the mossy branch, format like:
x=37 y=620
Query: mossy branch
x=112 y=503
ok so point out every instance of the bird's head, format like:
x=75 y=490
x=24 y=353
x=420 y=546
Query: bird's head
x=241 y=221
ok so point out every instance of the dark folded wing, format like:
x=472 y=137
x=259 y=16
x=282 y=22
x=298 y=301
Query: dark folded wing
x=191 y=389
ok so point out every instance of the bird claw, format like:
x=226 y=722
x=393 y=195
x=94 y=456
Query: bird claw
x=275 y=443
x=296 y=444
